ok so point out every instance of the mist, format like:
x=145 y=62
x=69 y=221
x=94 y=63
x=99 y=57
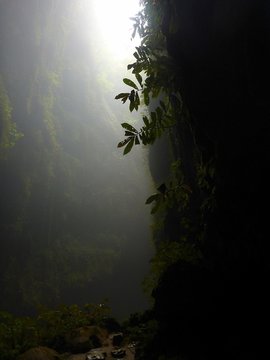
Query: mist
x=74 y=227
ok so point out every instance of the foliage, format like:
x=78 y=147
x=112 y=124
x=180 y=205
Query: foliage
x=167 y=254
x=53 y=325
x=9 y=134
x=141 y=329
x=18 y=334
x=155 y=76
x=182 y=203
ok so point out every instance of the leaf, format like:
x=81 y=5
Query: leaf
x=122 y=95
x=136 y=55
x=137 y=99
x=123 y=143
x=130 y=83
x=135 y=28
x=129 y=127
x=139 y=78
x=132 y=106
x=130 y=66
x=124 y=99
x=152 y=198
x=129 y=145
x=143 y=137
x=129 y=133
x=132 y=95
x=137 y=68
x=162 y=188
x=146 y=121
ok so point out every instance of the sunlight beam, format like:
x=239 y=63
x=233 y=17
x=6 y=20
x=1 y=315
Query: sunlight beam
x=114 y=27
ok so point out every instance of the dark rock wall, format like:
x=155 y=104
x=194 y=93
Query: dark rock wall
x=217 y=310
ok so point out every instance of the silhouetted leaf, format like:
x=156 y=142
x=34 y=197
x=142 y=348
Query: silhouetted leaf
x=130 y=66
x=139 y=78
x=132 y=106
x=129 y=145
x=129 y=133
x=123 y=143
x=122 y=95
x=152 y=198
x=128 y=127
x=136 y=55
x=130 y=83
x=162 y=188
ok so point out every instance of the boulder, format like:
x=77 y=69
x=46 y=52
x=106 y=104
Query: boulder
x=39 y=353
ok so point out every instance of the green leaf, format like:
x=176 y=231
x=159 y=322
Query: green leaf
x=129 y=133
x=123 y=143
x=124 y=99
x=136 y=55
x=135 y=28
x=137 y=68
x=137 y=99
x=139 y=78
x=130 y=66
x=129 y=127
x=132 y=106
x=129 y=145
x=146 y=121
x=152 y=198
x=162 y=188
x=132 y=95
x=130 y=83
x=122 y=95
x=144 y=138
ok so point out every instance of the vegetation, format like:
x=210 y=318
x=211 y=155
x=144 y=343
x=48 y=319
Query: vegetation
x=157 y=90
x=210 y=267
x=48 y=328
x=9 y=133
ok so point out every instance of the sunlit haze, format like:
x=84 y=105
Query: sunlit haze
x=112 y=19
x=84 y=228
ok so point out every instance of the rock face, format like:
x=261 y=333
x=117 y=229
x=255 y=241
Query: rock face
x=222 y=50
x=85 y=338
x=39 y=353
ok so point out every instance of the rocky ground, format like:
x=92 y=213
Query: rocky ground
x=109 y=343
x=107 y=348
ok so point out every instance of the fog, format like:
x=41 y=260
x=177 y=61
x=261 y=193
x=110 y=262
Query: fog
x=73 y=224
